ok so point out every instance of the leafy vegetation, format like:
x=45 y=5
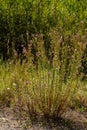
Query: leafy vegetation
x=43 y=54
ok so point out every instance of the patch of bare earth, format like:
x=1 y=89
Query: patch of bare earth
x=7 y=120
x=71 y=120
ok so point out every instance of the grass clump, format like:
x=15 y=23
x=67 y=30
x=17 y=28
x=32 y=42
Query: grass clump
x=43 y=47
x=43 y=89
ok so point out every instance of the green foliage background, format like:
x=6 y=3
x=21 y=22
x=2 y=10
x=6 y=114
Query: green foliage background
x=23 y=20
x=44 y=44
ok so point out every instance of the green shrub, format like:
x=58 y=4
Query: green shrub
x=44 y=43
x=42 y=90
x=19 y=20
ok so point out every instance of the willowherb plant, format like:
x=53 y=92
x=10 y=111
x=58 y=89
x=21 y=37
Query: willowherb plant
x=47 y=90
x=52 y=34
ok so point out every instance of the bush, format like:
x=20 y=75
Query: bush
x=43 y=90
x=20 y=21
x=44 y=42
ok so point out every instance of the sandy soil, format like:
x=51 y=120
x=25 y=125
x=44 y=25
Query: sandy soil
x=7 y=120
x=72 y=120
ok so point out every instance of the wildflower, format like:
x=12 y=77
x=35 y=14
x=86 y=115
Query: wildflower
x=14 y=84
x=10 y=63
x=72 y=56
x=75 y=50
x=8 y=88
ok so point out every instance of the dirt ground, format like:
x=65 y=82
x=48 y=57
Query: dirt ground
x=71 y=120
